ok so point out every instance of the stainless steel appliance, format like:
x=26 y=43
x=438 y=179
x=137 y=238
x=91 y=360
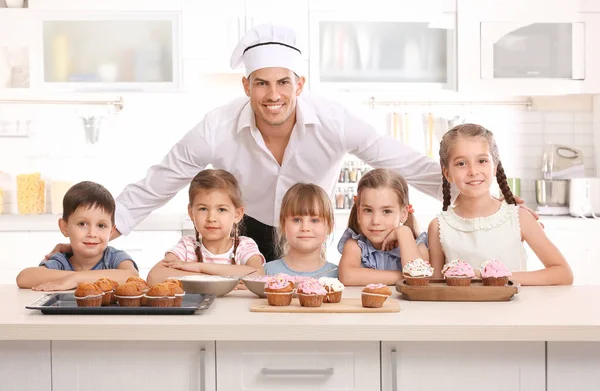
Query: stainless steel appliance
x=560 y=163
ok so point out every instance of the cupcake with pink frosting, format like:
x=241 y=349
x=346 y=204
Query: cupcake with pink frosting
x=374 y=295
x=310 y=293
x=458 y=273
x=278 y=290
x=494 y=273
x=417 y=272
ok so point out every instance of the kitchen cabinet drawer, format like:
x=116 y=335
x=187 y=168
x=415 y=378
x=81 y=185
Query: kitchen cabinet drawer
x=126 y=365
x=573 y=366
x=25 y=365
x=294 y=366
x=464 y=366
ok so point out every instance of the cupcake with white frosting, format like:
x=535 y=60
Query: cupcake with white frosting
x=334 y=289
x=417 y=272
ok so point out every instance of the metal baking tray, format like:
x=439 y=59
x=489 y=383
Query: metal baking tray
x=65 y=304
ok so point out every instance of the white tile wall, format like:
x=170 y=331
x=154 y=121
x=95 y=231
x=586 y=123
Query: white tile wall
x=150 y=124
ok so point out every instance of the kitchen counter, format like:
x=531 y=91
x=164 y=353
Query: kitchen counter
x=536 y=314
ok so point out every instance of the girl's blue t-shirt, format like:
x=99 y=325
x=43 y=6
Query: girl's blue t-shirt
x=279 y=266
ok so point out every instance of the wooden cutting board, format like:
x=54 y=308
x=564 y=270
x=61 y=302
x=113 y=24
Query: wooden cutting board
x=438 y=290
x=346 y=305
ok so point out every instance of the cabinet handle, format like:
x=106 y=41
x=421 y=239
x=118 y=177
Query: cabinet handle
x=394 y=362
x=297 y=372
x=203 y=369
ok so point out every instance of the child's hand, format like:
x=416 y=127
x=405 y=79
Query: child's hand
x=61 y=284
x=185 y=266
x=392 y=240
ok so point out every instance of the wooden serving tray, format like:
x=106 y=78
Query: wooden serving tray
x=438 y=290
x=346 y=305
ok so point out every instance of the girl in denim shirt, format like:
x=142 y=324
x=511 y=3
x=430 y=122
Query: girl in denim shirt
x=382 y=232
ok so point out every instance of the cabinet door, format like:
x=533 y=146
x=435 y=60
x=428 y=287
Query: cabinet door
x=280 y=13
x=294 y=366
x=94 y=366
x=211 y=30
x=16 y=44
x=104 y=51
x=464 y=366
x=25 y=365
x=573 y=366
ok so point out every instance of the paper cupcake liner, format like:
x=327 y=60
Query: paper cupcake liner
x=495 y=281
x=417 y=281
x=310 y=299
x=89 y=300
x=108 y=297
x=373 y=300
x=333 y=297
x=178 y=299
x=279 y=299
x=129 y=301
x=160 y=301
x=458 y=281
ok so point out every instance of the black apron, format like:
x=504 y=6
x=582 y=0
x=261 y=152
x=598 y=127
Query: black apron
x=264 y=236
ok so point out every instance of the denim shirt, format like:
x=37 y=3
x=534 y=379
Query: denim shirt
x=376 y=259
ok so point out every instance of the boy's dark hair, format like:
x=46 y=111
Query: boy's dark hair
x=88 y=195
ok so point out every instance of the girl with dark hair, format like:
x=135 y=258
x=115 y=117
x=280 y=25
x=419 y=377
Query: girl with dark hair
x=480 y=227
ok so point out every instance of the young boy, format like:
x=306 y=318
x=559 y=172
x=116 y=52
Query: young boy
x=88 y=221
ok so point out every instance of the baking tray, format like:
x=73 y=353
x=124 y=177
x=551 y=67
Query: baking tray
x=65 y=304
x=438 y=290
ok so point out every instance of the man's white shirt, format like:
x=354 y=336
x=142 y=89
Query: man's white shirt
x=227 y=138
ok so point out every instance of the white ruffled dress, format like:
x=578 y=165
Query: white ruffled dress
x=497 y=236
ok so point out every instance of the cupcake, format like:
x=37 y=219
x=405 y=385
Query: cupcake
x=458 y=273
x=129 y=295
x=161 y=295
x=311 y=293
x=374 y=295
x=334 y=289
x=177 y=291
x=417 y=272
x=494 y=273
x=88 y=295
x=175 y=281
x=108 y=288
x=278 y=290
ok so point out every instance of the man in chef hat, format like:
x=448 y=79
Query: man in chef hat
x=274 y=137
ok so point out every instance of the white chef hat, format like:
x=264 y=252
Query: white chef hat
x=267 y=46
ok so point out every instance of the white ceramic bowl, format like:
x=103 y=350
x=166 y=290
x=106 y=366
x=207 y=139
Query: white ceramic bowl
x=216 y=285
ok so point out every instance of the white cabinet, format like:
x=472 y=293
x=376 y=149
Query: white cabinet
x=105 y=5
x=294 y=366
x=463 y=366
x=25 y=365
x=573 y=366
x=503 y=49
x=388 y=47
x=94 y=366
x=16 y=43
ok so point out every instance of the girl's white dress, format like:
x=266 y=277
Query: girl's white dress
x=497 y=236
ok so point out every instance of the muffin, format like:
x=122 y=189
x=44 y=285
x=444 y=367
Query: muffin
x=177 y=291
x=108 y=288
x=88 y=295
x=334 y=289
x=417 y=272
x=458 y=273
x=494 y=273
x=374 y=295
x=311 y=293
x=278 y=290
x=161 y=295
x=129 y=295
x=175 y=281
x=142 y=284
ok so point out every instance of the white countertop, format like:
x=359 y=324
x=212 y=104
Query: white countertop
x=535 y=314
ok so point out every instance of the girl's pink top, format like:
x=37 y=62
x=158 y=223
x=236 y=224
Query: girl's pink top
x=311 y=287
x=494 y=268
